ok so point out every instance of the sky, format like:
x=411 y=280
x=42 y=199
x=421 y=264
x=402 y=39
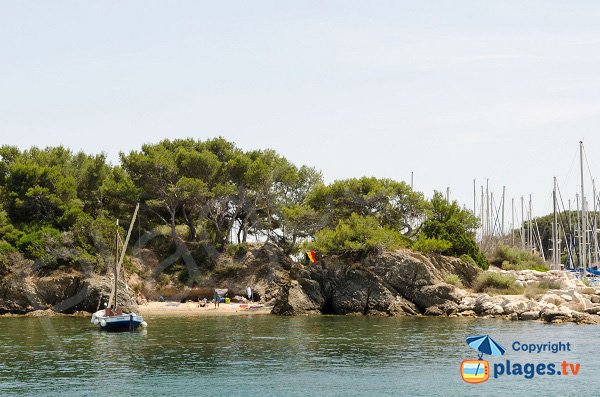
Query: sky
x=450 y=90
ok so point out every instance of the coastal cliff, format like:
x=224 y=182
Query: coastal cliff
x=396 y=283
x=393 y=283
x=408 y=283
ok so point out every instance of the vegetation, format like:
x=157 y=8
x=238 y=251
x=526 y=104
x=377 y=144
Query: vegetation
x=493 y=282
x=468 y=260
x=535 y=291
x=357 y=236
x=453 y=279
x=58 y=208
x=448 y=222
x=516 y=259
x=431 y=245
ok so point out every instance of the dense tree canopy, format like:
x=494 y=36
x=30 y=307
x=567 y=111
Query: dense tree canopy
x=59 y=207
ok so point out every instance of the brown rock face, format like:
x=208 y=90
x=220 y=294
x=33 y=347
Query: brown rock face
x=62 y=292
x=398 y=283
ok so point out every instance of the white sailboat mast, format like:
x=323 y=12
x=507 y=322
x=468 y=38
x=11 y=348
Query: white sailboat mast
x=583 y=212
x=555 y=252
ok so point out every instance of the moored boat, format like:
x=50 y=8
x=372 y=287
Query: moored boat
x=112 y=318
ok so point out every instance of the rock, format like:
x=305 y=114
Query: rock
x=583 y=318
x=552 y=298
x=519 y=284
x=467 y=303
x=398 y=283
x=489 y=308
x=44 y=313
x=595 y=299
x=560 y=315
x=517 y=305
x=527 y=316
x=434 y=311
x=588 y=290
x=593 y=310
x=566 y=298
x=292 y=300
x=62 y=292
x=467 y=313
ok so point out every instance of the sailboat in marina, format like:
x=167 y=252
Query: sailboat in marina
x=112 y=318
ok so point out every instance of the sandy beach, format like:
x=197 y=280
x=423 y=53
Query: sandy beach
x=192 y=309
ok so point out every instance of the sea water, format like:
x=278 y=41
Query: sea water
x=284 y=356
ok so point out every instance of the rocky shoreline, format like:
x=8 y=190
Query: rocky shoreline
x=573 y=302
x=399 y=283
x=408 y=283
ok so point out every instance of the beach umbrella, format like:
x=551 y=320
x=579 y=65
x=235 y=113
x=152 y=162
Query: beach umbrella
x=485 y=345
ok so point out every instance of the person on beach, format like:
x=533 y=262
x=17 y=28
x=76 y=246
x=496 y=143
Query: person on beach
x=217 y=299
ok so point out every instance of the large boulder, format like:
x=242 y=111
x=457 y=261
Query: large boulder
x=292 y=300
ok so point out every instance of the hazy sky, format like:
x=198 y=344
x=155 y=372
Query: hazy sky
x=452 y=90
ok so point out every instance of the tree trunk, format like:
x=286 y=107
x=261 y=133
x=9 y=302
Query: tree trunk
x=239 y=240
x=190 y=224
x=173 y=229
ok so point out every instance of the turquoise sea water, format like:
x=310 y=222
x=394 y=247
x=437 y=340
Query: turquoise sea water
x=281 y=356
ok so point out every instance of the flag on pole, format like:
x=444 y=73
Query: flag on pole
x=311 y=256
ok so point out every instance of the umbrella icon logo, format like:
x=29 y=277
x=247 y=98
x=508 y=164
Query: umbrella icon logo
x=478 y=371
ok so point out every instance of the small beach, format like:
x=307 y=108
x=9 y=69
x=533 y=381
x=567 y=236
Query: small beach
x=176 y=309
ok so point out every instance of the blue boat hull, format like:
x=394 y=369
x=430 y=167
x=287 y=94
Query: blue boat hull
x=124 y=325
x=123 y=322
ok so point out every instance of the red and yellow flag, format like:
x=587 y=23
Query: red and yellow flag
x=311 y=256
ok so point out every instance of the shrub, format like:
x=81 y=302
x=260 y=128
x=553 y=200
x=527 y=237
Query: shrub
x=518 y=259
x=467 y=259
x=453 y=279
x=506 y=265
x=237 y=250
x=41 y=245
x=431 y=245
x=534 y=291
x=357 y=236
x=163 y=280
x=490 y=281
x=6 y=248
x=450 y=222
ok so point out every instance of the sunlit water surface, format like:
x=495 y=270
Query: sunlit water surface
x=282 y=356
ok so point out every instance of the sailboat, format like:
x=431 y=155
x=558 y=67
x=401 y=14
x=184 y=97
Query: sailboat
x=112 y=318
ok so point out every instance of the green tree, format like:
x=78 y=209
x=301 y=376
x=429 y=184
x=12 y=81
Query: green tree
x=392 y=203
x=448 y=222
x=357 y=236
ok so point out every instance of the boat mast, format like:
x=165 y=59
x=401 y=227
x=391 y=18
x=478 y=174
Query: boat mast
x=555 y=253
x=487 y=206
x=522 y=223
x=120 y=257
x=482 y=219
x=570 y=239
x=503 y=198
x=583 y=212
x=512 y=223
x=594 y=224
x=530 y=234
x=116 y=262
x=474 y=199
